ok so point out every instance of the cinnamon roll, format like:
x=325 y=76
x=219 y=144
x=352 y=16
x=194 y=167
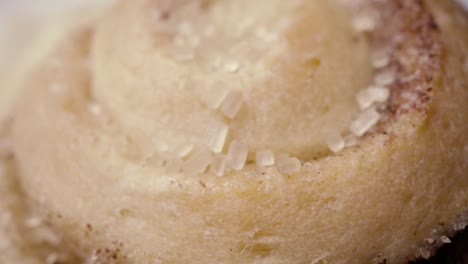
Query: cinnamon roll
x=262 y=131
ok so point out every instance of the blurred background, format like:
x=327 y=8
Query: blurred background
x=30 y=28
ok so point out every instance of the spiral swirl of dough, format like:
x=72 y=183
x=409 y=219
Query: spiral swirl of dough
x=114 y=134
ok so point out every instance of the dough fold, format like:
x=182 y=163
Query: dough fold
x=86 y=132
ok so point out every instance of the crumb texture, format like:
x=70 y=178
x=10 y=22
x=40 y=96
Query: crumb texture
x=251 y=132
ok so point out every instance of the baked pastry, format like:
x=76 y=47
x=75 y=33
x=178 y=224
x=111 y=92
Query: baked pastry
x=229 y=132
